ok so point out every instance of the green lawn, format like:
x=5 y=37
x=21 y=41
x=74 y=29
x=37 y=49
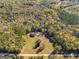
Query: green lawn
x=46 y=57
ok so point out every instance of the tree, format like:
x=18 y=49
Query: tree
x=68 y=18
x=19 y=30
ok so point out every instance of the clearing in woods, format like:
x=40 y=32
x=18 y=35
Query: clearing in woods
x=30 y=43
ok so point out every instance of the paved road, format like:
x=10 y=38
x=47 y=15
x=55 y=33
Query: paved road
x=5 y=55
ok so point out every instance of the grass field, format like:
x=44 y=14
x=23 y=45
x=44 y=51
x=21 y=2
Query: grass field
x=30 y=42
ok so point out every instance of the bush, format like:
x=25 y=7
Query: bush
x=7 y=42
x=10 y=44
x=20 y=30
x=76 y=34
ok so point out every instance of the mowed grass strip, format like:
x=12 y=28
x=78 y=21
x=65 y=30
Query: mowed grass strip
x=46 y=57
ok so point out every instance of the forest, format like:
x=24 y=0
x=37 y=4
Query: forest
x=38 y=27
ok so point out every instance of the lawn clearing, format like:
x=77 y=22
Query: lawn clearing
x=30 y=43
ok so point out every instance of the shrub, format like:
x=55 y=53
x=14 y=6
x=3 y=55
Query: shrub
x=20 y=30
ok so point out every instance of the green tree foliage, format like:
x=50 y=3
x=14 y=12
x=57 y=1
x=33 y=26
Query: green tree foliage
x=35 y=17
x=69 y=18
x=20 y=30
x=10 y=43
x=47 y=2
x=8 y=15
x=76 y=33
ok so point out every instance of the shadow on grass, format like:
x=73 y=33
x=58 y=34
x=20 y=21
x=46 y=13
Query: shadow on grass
x=9 y=51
